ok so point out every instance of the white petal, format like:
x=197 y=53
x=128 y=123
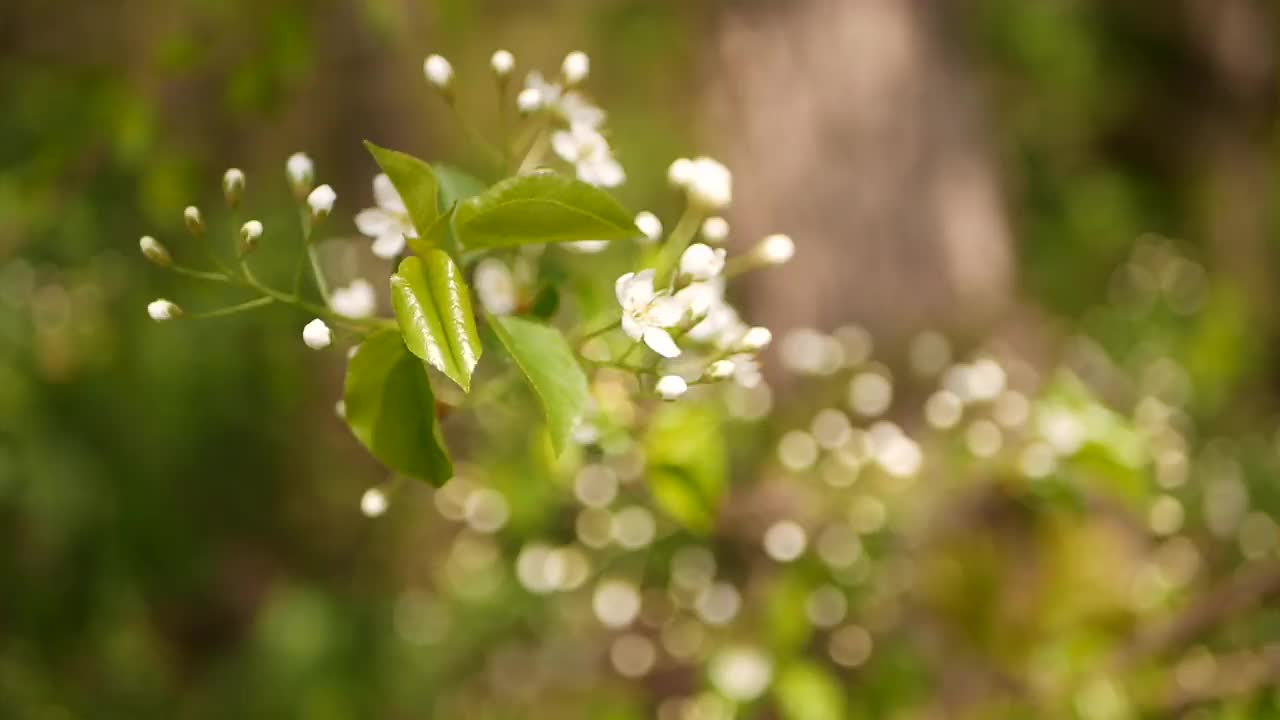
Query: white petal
x=621 y=287
x=564 y=145
x=632 y=328
x=388 y=246
x=639 y=290
x=374 y=222
x=386 y=196
x=665 y=312
x=660 y=341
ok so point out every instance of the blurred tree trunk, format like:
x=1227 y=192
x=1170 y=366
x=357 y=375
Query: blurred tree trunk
x=853 y=126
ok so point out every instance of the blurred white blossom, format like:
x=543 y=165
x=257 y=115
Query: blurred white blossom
x=388 y=223
x=646 y=314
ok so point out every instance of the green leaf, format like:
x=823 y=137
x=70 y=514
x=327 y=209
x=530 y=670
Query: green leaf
x=547 y=362
x=433 y=307
x=541 y=208
x=687 y=469
x=391 y=410
x=456 y=185
x=807 y=691
x=415 y=182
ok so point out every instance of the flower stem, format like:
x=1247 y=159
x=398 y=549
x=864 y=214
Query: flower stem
x=677 y=241
x=233 y=309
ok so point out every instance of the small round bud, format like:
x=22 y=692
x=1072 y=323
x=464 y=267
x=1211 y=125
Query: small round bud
x=233 y=187
x=502 y=63
x=670 y=387
x=715 y=229
x=575 y=67
x=529 y=100
x=154 y=251
x=438 y=72
x=249 y=234
x=301 y=173
x=710 y=184
x=650 y=225
x=194 y=221
x=162 y=310
x=702 y=262
x=776 y=249
x=321 y=201
x=317 y=335
x=720 y=369
x=680 y=174
x=757 y=338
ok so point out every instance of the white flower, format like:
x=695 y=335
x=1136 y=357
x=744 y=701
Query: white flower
x=575 y=67
x=776 y=249
x=671 y=387
x=154 y=251
x=317 y=335
x=573 y=107
x=161 y=310
x=300 y=171
x=646 y=314
x=757 y=338
x=719 y=323
x=438 y=71
x=680 y=174
x=650 y=225
x=702 y=262
x=321 y=200
x=710 y=184
x=715 y=229
x=590 y=155
x=529 y=100
x=388 y=223
x=233 y=186
x=502 y=63
x=720 y=369
x=356 y=300
x=495 y=286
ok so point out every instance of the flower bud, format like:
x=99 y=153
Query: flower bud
x=710 y=184
x=529 y=100
x=154 y=251
x=438 y=72
x=162 y=310
x=701 y=262
x=757 y=338
x=301 y=173
x=715 y=229
x=321 y=201
x=776 y=249
x=249 y=234
x=650 y=225
x=502 y=63
x=194 y=221
x=317 y=335
x=233 y=187
x=575 y=67
x=680 y=174
x=720 y=369
x=670 y=387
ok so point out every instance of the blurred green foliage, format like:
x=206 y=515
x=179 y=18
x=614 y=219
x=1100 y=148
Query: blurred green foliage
x=178 y=507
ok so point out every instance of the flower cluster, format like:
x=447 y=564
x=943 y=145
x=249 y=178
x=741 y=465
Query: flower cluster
x=673 y=327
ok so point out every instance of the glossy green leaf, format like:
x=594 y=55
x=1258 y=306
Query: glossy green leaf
x=433 y=307
x=686 y=464
x=548 y=363
x=541 y=208
x=808 y=691
x=456 y=185
x=415 y=182
x=391 y=410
